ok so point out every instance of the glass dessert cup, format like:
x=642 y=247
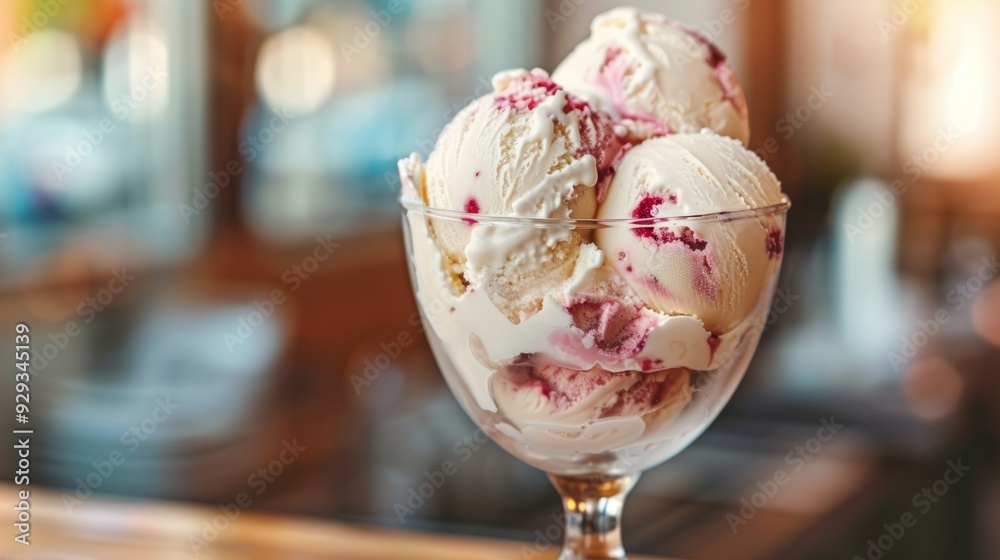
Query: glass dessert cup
x=544 y=386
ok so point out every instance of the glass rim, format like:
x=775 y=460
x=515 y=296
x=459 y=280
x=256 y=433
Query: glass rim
x=591 y=223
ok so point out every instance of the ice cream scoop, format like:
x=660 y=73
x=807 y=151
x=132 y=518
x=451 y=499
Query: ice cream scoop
x=715 y=272
x=657 y=76
x=529 y=391
x=528 y=149
x=531 y=150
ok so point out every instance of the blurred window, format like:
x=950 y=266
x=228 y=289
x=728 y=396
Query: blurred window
x=101 y=132
x=346 y=88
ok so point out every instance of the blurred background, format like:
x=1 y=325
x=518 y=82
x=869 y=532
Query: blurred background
x=198 y=220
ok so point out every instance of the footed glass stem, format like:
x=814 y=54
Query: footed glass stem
x=593 y=515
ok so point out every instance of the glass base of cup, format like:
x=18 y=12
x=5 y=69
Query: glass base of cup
x=593 y=515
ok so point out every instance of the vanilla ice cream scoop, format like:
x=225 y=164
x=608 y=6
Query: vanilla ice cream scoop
x=530 y=150
x=656 y=76
x=714 y=270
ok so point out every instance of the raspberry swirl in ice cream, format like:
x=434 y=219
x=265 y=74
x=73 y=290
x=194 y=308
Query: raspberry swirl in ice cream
x=716 y=272
x=717 y=61
x=657 y=75
x=532 y=393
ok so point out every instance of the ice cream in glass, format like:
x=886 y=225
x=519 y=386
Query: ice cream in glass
x=594 y=254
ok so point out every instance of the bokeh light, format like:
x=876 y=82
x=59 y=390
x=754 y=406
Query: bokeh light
x=296 y=70
x=361 y=49
x=444 y=44
x=44 y=73
x=136 y=73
